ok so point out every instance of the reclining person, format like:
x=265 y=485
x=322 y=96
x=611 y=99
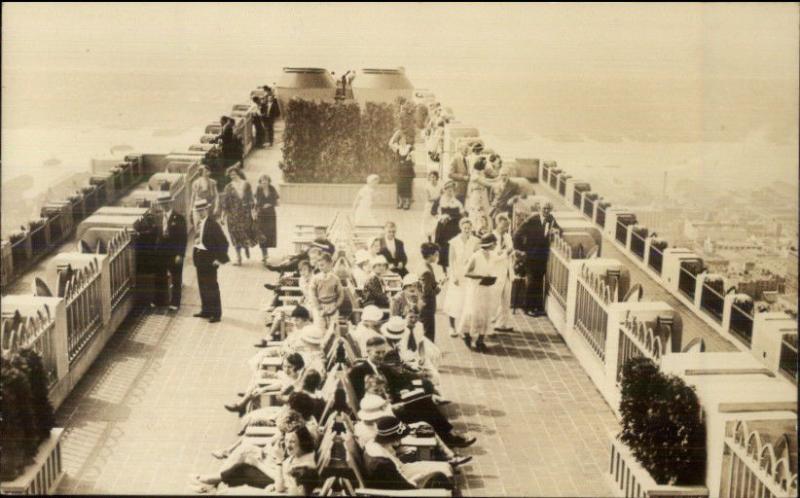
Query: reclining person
x=410 y=297
x=374 y=291
x=305 y=338
x=374 y=406
x=320 y=242
x=288 y=379
x=253 y=466
x=279 y=312
x=360 y=271
x=399 y=383
x=385 y=470
x=412 y=350
x=268 y=414
x=367 y=328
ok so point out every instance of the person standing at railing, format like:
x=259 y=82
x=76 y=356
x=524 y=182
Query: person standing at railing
x=210 y=251
x=531 y=241
x=269 y=114
x=231 y=150
x=171 y=249
x=502 y=262
x=258 y=122
x=459 y=173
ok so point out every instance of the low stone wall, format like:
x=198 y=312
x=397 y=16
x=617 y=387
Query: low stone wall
x=332 y=194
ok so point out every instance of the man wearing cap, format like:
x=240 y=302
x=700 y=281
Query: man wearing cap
x=394 y=250
x=408 y=298
x=374 y=291
x=290 y=264
x=506 y=192
x=530 y=239
x=459 y=173
x=367 y=328
x=210 y=251
x=172 y=249
x=384 y=470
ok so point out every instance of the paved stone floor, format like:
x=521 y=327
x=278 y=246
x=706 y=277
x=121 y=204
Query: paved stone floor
x=149 y=411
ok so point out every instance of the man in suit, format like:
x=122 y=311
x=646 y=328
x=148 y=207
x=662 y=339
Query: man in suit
x=506 y=193
x=459 y=173
x=171 y=249
x=269 y=113
x=210 y=251
x=530 y=239
x=419 y=410
x=394 y=250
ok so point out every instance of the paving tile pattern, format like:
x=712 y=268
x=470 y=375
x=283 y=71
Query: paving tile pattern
x=149 y=411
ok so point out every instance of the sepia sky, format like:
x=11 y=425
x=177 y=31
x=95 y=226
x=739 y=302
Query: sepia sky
x=728 y=40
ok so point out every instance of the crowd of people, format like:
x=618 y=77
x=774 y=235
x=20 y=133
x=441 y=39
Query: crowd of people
x=350 y=351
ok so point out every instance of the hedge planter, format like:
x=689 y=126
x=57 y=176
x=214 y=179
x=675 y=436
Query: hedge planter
x=44 y=474
x=629 y=477
x=20 y=250
x=39 y=238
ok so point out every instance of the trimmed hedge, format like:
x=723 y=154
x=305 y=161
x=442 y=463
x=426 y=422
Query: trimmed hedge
x=662 y=424
x=26 y=415
x=341 y=142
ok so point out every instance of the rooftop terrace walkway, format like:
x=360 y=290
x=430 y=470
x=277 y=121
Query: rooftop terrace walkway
x=693 y=326
x=149 y=411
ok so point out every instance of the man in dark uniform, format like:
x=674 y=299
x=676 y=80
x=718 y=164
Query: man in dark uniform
x=171 y=249
x=269 y=113
x=530 y=239
x=210 y=251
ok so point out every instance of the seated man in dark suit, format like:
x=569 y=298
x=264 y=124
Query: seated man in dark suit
x=394 y=250
x=398 y=383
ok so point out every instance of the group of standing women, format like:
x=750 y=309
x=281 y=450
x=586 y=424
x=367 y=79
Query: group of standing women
x=250 y=218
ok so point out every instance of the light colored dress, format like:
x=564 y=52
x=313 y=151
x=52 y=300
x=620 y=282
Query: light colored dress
x=504 y=269
x=479 y=305
x=429 y=221
x=477 y=203
x=363 y=213
x=460 y=252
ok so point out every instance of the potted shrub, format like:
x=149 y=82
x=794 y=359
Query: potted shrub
x=744 y=303
x=662 y=424
x=27 y=425
x=659 y=244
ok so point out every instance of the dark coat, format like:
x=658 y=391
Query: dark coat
x=270 y=113
x=399 y=257
x=394 y=380
x=174 y=242
x=500 y=204
x=215 y=241
x=382 y=473
x=530 y=239
x=374 y=293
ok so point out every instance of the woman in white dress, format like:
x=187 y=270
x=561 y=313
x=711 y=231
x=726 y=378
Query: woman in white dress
x=363 y=213
x=478 y=299
x=461 y=248
x=433 y=193
x=477 y=202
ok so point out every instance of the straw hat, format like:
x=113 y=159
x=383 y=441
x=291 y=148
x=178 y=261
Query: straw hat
x=373 y=407
x=201 y=204
x=394 y=328
x=312 y=335
x=372 y=313
x=488 y=241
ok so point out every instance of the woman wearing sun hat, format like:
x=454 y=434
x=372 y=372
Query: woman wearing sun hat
x=478 y=300
x=384 y=470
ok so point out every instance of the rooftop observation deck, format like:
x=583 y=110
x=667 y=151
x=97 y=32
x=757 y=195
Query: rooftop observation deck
x=149 y=411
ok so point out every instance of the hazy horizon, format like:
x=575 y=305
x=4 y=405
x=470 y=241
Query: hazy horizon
x=658 y=86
